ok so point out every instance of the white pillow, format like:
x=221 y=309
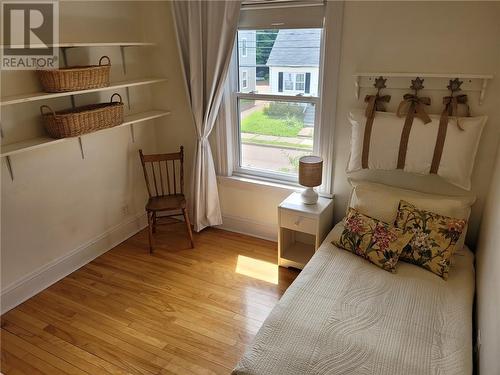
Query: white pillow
x=381 y=202
x=459 y=152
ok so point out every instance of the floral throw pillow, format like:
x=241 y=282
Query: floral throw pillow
x=434 y=238
x=372 y=239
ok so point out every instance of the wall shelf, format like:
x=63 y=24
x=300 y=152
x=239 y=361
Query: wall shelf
x=437 y=81
x=25 y=98
x=8 y=150
x=35 y=143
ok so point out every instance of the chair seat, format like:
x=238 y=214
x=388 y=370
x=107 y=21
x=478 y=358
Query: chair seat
x=167 y=202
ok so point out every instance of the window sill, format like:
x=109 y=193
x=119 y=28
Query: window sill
x=254 y=183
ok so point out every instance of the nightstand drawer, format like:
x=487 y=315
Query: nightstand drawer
x=295 y=221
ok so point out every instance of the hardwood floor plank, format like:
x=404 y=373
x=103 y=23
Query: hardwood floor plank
x=217 y=295
x=41 y=360
x=178 y=311
x=131 y=359
x=170 y=332
x=21 y=324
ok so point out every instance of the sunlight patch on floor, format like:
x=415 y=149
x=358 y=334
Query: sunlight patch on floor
x=258 y=269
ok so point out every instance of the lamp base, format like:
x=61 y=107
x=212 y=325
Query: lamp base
x=309 y=196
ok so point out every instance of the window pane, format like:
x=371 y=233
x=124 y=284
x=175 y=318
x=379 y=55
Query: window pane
x=288 y=81
x=244 y=79
x=244 y=47
x=281 y=62
x=274 y=135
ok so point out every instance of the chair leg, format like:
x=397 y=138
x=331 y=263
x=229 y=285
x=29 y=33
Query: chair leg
x=188 y=226
x=154 y=222
x=150 y=231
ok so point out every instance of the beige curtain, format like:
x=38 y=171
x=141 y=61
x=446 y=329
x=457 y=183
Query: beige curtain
x=206 y=31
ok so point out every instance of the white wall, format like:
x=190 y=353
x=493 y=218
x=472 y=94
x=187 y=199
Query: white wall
x=251 y=208
x=408 y=36
x=60 y=209
x=488 y=280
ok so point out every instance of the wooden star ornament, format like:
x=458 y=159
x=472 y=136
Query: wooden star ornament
x=454 y=85
x=380 y=83
x=417 y=84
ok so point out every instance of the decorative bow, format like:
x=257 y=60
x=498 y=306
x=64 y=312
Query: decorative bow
x=411 y=106
x=450 y=109
x=412 y=100
x=375 y=103
x=451 y=106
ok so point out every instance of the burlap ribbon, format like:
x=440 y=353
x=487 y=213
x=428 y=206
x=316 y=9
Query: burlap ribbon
x=375 y=103
x=412 y=106
x=450 y=109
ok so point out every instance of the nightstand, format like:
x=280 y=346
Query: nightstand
x=302 y=228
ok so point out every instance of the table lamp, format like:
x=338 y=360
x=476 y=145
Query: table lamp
x=310 y=174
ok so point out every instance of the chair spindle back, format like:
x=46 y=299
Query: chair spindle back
x=164 y=173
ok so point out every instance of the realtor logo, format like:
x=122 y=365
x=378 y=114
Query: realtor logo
x=30 y=34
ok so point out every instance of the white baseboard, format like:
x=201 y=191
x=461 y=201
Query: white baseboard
x=252 y=228
x=42 y=278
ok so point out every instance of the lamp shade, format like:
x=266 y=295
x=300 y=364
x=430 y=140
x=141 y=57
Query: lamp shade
x=310 y=170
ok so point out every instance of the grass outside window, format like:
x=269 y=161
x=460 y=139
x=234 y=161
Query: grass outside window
x=260 y=123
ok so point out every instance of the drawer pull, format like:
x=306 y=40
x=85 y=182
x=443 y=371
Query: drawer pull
x=297 y=222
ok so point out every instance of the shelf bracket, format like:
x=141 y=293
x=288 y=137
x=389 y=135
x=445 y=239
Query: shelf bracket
x=356 y=86
x=81 y=147
x=64 y=56
x=9 y=167
x=132 y=134
x=127 y=93
x=122 y=52
x=483 y=91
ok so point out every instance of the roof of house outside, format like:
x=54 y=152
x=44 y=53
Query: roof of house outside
x=296 y=47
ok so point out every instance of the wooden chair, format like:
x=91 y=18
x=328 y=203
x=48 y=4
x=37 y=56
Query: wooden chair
x=164 y=174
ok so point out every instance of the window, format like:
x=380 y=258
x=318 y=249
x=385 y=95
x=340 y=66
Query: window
x=243 y=47
x=288 y=81
x=293 y=82
x=300 y=81
x=276 y=112
x=244 y=79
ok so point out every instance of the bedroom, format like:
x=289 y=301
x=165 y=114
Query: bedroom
x=80 y=291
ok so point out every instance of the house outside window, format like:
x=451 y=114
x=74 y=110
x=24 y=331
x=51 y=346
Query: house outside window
x=247 y=60
x=275 y=122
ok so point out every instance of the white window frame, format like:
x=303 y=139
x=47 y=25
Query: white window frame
x=244 y=52
x=244 y=79
x=225 y=137
x=303 y=89
x=273 y=176
x=291 y=81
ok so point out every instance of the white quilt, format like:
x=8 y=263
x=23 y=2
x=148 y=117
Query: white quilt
x=343 y=315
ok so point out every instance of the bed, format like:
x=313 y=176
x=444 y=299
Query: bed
x=343 y=315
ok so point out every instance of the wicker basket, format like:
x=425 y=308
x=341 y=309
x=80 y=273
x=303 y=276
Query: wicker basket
x=82 y=120
x=76 y=77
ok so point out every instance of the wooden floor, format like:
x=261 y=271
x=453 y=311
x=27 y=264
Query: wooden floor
x=179 y=311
